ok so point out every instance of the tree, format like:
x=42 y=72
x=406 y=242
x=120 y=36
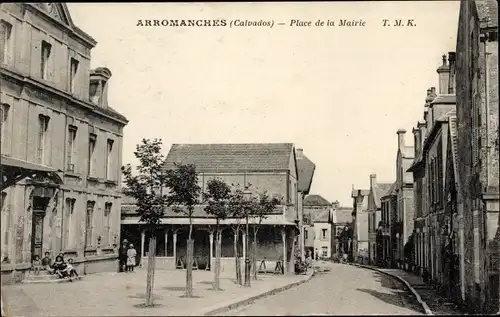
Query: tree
x=146 y=189
x=217 y=197
x=182 y=181
x=263 y=206
x=237 y=208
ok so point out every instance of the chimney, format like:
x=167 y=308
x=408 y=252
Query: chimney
x=444 y=76
x=373 y=180
x=299 y=153
x=401 y=138
x=452 y=81
x=98 y=92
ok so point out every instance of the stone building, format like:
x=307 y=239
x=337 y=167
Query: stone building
x=360 y=239
x=477 y=124
x=377 y=191
x=342 y=218
x=306 y=170
x=61 y=144
x=319 y=213
x=388 y=207
x=267 y=167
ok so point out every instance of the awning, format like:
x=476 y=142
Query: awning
x=14 y=170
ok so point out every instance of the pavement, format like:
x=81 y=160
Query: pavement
x=428 y=297
x=338 y=289
x=123 y=294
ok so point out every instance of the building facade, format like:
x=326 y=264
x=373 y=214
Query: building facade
x=374 y=211
x=319 y=213
x=477 y=128
x=360 y=238
x=388 y=207
x=342 y=219
x=267 y=167
x=61 y=144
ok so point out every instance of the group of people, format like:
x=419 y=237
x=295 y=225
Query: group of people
x=127 y=257
x=60 y=267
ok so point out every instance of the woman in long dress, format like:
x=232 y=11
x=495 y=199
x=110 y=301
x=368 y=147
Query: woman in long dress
x=131 y=254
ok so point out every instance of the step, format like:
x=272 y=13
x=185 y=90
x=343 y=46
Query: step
x=57 y=280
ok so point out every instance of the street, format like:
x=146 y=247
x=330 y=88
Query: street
x=344 y=290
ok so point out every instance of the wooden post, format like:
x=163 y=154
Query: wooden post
x=283 y=236
x=243 y=235
x=175 y=247
x=211 y=236
x=166 y=243
x=143 y=236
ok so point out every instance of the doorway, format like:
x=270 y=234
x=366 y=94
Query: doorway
x=39 y=206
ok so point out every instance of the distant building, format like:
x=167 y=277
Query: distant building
x=267 y=167
x=478 y=158
x=342 y=218
x=360 y=240
x=319 y=213
x=305 y=169
x=61 y=144
x=377 y=191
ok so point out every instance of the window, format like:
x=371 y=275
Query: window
x=107 y=224
x=70 y=229
x=71 y=148
x=109 y=157
x=44 y=62
x=324 y=252
x=5 y=41
x=4 y=116
x=93 y=91
x=323 y=234
x=43 y=126
x=305 y=234
x=72 y=75
x=89 y=223
x=92 y=140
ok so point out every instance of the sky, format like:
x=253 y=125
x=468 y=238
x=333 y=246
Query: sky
x=340 y=93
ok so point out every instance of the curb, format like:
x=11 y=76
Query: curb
x=424 y=305
x=246 y=301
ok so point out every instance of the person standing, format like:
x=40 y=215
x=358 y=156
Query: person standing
x=123 y=256
x=131 y=254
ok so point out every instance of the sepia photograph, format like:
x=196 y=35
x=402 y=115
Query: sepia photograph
x=249 y=158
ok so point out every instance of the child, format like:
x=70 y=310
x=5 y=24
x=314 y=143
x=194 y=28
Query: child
x=37 y=265
x=70 y=270
x=131 y=253
x=47 y=262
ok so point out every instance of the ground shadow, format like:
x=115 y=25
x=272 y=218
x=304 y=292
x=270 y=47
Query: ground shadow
x=143 y=296
x=175 y=288
x=192 y=296
x=206 y=282
x=143 y=305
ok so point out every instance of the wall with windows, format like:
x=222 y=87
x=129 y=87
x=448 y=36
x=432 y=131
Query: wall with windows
x=48 y=118
x=323 y=239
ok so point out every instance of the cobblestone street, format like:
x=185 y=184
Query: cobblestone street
x=344 y=290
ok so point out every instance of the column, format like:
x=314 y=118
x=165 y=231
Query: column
x=143 y=236
x=211 y=236
x=283 y=237
x=243 y=236
x=175 y=248
x=166 y=242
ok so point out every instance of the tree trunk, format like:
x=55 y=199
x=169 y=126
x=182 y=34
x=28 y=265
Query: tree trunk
x=189 y=261
x=150 y=272
x=237 y=257
x=254 y=254
x=218 y=244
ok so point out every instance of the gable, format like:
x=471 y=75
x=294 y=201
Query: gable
x=57 y=11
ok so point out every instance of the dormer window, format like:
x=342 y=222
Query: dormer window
x=93 y=92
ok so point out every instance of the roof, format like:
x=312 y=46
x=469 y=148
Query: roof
x=487 y=11
x=316 y=200
x=342 y=215
x=379 y=191
x=305 y=170
x=13 y=162
x=199 y=211
x=453 y=137
x=321 y=216
x=232 y=157
x=445 y=99
x=391 y=191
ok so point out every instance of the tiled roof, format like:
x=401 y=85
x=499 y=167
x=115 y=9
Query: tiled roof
x=391 y=191
x=342 y=215
x=487 y=11
x=445 y=117
x=453 y=136
x=322 y=216
x=305 y=170
x=379 y=191
x=199 y=211
x=232 y=157
x=316 y=200
x=445 y=99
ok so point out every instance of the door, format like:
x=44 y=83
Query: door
x=37 y=236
